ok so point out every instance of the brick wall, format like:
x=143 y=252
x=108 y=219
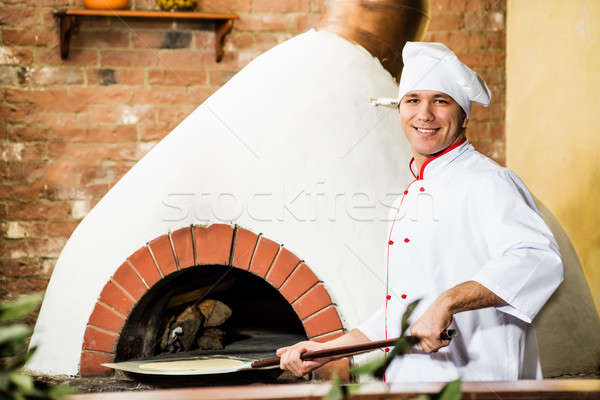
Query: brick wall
x=70 y=129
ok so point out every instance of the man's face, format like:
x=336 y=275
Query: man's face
x=432 y=121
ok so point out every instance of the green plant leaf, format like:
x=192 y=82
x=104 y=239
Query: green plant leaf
x=14 y=333
x=23 y=381
x=407 y=313
x=368 y=368
x=452 y=391
x=336 y=392
x=20 y=307
x=4 y=381
x=56 y=392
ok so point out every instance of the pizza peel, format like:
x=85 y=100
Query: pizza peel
x=216 y=364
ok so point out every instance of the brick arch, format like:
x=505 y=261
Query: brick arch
x=192 y=246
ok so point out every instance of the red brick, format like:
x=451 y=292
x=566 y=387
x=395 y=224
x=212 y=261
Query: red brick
x=128 y=58
x=160 y=96
x=245 y=242
x=219 y=77
x=30 y=37
x=121 y=76
x=20 y=16
x=264 y=255
x=155 y=132
x=139 y=24
x=23 y=229
x=130 y=281
x=107 y=319
x=54 y=76
x=446 y=22
x=61 y=228
x=490 y=21
x=314 y=300
x=165 y=40
x=497 y=131
x=281 y=6
x=22 y=151
x=144 y=265
x=90 y=364
x=298 y=283
x=163 y=253
x=494 y=112
x=176 y=77
x=184 y=247
x=283 y=266
x=22 y=286
x=239 y=41
x=487 y=59
x=303 y=22
x=324 y=321
x=226 y=5
x=27 y=192
x=123 y=114
x=263 y=23
x=100 y=39
x=27 y=171
x=477 y=130
x=40 y=211
x=200 y=94
x=106 y=95
x=101 y=134
x=77 y=57
x=20 y=268
x=95 y=339
x=61 y=191
x=114 y=297
x=213 y=244
x=329 y=336
x=170 y=114
x=15 y=56
x=185 y=59
x=205 y=40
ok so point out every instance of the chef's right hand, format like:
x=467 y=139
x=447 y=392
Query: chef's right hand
x=290 y=357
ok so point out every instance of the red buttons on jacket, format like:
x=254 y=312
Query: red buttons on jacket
x=422 y=189
x=391 y=242
x=403 y=296
x=387 y=349
x=388 y=297
x=406 y=240
x=406 y=192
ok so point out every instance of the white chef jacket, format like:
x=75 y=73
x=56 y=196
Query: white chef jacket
x=464 y=218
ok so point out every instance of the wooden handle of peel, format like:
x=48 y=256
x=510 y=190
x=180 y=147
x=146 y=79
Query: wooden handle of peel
x=343 y=350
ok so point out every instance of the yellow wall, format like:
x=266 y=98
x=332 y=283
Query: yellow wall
x=553 y=115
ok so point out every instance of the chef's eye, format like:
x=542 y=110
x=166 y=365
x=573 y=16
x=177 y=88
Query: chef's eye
x=411 y=101
x=441 y=101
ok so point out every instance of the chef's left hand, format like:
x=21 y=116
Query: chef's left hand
x=436 y=319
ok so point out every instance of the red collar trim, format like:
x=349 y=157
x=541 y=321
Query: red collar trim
x=449 y=149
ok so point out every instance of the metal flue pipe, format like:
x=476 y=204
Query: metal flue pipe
x=380 y=26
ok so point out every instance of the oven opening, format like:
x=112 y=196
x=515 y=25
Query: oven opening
x=209 y=310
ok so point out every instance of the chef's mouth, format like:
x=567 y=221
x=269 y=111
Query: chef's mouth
x=426 y=131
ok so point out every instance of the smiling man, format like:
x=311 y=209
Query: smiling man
x=465 y=237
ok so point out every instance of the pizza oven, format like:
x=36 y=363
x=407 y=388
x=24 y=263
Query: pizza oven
x=207 y=290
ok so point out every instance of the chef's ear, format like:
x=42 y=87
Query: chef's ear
x=465 y=121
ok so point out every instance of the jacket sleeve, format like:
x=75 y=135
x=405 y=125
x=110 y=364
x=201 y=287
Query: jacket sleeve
x=525 y=266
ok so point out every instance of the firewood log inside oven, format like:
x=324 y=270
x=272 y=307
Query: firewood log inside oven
x=197 y=326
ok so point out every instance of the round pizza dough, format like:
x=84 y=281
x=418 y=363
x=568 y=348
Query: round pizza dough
x=207 y=364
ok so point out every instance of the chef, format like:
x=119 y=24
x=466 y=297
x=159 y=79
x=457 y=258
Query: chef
x=465 y=237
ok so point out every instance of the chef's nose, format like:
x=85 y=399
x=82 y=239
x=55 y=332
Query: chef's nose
x=424 y=111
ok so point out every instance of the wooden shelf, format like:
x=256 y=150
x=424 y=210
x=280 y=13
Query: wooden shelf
x=68 y=20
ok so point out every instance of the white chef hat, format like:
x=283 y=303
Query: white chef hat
x=433 y=66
